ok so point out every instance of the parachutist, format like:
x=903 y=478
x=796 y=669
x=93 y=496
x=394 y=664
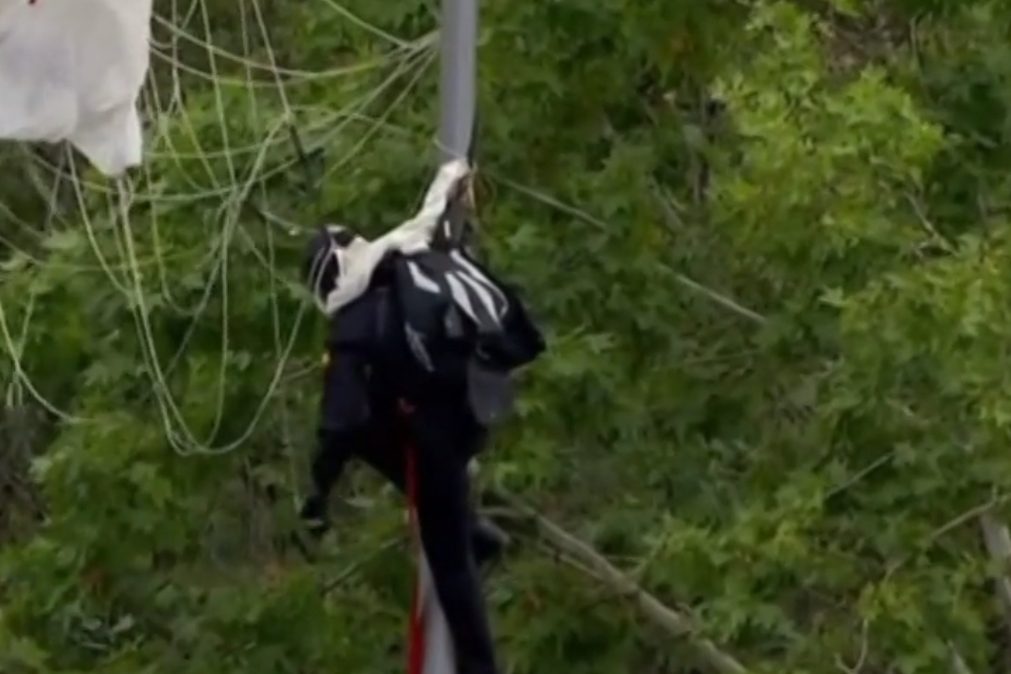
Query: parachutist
x=422 y=340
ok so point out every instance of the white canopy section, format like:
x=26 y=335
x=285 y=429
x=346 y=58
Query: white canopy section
x=71 y=70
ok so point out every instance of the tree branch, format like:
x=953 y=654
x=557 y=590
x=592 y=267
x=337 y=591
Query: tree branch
x=717 y=297
x=958 y=664
x=998 y=544
x=353 y=568
x=673 y=622
x=948 y=527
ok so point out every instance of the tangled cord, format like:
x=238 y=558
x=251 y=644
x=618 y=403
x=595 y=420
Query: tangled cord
x=226 y=177
x=223 y=179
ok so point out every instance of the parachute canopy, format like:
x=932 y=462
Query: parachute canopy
x=71 y=70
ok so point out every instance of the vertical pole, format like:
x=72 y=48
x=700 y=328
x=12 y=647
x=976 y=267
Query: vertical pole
x=458 y=82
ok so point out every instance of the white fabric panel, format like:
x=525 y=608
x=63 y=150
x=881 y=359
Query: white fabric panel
x=459 y=292
x=439 y=651
x=475 y=273
x=412 y=236
x=71 y=70
x=422 y=281
x=493 y=312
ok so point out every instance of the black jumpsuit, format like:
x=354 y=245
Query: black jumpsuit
x=377 y=402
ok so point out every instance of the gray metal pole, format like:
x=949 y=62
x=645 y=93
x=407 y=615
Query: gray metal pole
x=459 y=77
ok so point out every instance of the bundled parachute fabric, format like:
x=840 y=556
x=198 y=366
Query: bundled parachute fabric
x=458 y=319
x=357 y=261
x=71 y=70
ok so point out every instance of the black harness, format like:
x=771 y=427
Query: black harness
x=430 y=323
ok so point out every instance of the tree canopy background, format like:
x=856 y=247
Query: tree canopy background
x=768 y=241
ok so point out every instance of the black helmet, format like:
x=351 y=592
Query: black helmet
x=321 y=263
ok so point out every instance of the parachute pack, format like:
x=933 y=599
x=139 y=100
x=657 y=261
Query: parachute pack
x=72 y=70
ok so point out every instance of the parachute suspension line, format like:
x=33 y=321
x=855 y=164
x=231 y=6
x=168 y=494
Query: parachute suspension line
x=362 y=23
x=52 y=210
x=270 y=262
x=183 y=114
x=177 y=28
x=221 y=241
x=163 y=395
x=130 y=265
x=222 y=249
x=230 y=213
x=212 y=63
x=292 y=75
x=82 y=206
x=425 y=58
x=421 y=53
x=171 y=415
x=152 y=99
x=21 y=378
x=162 y=135
x=169 y=408
x=159 y=258
x=408 y=61
x=408 y=58
x=281 y=92
x=149 y=353
x=275 y=311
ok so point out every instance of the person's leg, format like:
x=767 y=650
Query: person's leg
x=383 y=448
x=380 y=443
x=384 y=452
x=444 y=441
x=344 y=418
x=332 y=453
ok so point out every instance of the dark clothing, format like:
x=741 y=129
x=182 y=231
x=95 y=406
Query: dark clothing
x=453 y=540
x=363 y=415
x=437 y=335
x=382 y=443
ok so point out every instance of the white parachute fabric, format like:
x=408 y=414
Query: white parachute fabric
x=362 y=256
x=71 y=70
x=435 y=641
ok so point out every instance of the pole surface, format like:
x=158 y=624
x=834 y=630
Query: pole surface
x=458 y=84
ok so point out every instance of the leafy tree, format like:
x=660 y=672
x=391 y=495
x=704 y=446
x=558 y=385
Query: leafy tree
x=767 y=240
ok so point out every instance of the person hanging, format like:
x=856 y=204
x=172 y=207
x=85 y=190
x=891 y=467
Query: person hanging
x=422 y=342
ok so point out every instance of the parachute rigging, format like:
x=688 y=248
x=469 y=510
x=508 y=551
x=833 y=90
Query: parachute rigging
x=221 y=169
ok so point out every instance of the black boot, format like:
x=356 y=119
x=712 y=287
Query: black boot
x=314 y=516
x=314 y=524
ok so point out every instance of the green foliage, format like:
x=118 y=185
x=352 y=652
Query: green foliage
x=768 y=241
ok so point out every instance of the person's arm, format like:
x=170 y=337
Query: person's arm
x=361 y=257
